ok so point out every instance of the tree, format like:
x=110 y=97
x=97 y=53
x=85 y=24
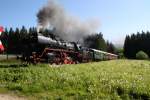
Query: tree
x=141 y=55
x=110 y=47
x=127 y=47
x=23 y=34
x=95 y=41
x=120 y=52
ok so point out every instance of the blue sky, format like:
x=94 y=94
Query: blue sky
x=117 y=17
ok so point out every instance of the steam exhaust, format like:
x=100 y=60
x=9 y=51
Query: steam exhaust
x=67 y=27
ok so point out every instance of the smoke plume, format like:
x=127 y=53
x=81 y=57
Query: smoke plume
x=66 y=26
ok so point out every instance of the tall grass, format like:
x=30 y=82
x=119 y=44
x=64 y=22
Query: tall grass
x=120 y=79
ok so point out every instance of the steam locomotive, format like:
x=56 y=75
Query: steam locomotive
x=46 y=49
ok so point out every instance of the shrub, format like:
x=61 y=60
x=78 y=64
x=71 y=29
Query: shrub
x=141 y=55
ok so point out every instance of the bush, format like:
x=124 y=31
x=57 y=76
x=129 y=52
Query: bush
x=141 y=55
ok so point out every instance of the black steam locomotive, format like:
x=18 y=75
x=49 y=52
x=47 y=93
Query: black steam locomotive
x=46 y=49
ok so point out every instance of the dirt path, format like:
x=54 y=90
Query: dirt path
x=10 y=97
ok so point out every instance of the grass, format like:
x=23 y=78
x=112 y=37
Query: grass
x=118 y=79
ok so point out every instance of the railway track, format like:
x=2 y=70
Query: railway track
x=4 y=57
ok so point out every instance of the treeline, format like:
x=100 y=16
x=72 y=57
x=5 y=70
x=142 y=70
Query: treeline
x=97 y=41
x=135 y=43
x=15 y=40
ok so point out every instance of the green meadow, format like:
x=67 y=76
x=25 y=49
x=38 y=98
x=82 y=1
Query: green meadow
x=108 y=80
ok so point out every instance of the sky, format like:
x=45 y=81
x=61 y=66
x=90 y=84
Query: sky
x=117 y=17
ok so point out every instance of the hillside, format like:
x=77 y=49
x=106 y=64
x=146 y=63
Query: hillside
x=116 y=79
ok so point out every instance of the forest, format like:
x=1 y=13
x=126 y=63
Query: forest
x=135 y=43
